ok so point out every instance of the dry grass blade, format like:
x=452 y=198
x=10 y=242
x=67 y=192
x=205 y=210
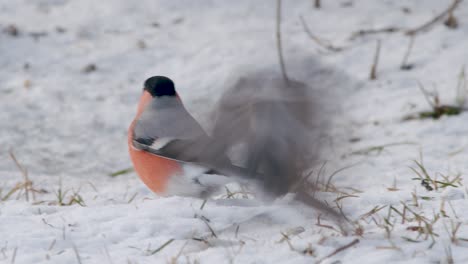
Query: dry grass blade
x=237 y=231
x=132 y=198
x=327 y=186
x=320 y=42
x=423 y=170
x=326 y=226
x=167 y=243
x=373 y=73
x=449 y=255
x=338 y=250
x=364 y=32
x=344 y=196
x=433 y=103
x=451 y=22
x=12 y=191
x=454 y=228
x=20 y=167
x=121 y=172
x=317 y=180
x=462 y=88
x=206 y=221
x=13 y=257
x=51 y=246
x=203 y=204
x=426 y=26
x=378 y=149
x=374 y=210
x=174 y=259
x=77 y=254
x=27 y=184
x=404 y=64
x=286 y=235
x=108 y=256
x=453 y=210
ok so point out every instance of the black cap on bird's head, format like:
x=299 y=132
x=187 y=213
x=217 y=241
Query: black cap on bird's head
x=159 y=86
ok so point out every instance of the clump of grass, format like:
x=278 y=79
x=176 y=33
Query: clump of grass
x=453 y=230
x=67 y=197
x=413 y=221
x=286 y=235
x=242 y=194
x=424 y=226
x=73 y=198
x=437 y=109
x=24 y=188
x=431 y=183
x=325 y=185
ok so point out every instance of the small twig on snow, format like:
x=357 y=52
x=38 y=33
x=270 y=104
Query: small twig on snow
x=78 y=258
x=278 y=41
x=363 y=32
x=373 y=73
x=404 y=64
x=162 y=246
x=206 y=221
x=13 y=258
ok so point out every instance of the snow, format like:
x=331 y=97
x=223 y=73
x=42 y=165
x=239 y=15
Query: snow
x=68 y=129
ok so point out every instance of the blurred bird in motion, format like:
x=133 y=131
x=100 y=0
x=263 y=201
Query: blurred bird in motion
x=265 y=120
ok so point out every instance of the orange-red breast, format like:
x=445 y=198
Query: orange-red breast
x=153 y=170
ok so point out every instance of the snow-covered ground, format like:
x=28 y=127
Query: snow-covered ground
x=67 y=127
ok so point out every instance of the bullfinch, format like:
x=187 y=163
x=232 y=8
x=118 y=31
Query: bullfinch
x=265 y=118
x=166 y=143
